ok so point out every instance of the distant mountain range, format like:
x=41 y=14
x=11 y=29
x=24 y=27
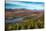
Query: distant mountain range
x=22 y=12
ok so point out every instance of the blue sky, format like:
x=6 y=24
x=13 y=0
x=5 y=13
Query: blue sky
x=27 y=5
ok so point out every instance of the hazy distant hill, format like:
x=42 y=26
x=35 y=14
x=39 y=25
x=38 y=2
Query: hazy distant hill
x=22 y=12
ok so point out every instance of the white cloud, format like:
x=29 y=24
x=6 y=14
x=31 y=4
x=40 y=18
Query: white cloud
x=28 y=6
